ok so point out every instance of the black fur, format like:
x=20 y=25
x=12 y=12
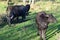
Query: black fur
x=18 y=10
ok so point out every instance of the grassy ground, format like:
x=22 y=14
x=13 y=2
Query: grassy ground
x=28 y=30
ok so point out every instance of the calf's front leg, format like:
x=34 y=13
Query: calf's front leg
x=40 y=33
x=44 y=34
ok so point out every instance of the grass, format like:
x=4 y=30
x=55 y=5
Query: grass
x=28 y=30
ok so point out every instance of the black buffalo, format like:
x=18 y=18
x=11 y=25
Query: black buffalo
x=42 y=20
x=16 y=11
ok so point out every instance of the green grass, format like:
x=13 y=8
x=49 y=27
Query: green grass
x=2 y=7
x=28 y=30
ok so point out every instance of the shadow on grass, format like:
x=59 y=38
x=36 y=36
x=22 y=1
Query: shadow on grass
x=3 y=21
x=32 y=29
x=24 y=33
x=52 y=30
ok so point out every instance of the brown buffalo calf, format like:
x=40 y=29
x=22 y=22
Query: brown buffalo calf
x=42 y=20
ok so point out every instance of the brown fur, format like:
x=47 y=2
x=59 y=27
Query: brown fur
x=42 y=20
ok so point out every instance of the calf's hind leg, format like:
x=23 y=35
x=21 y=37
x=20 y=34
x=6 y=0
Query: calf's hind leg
x=23 y=18
x=17 y=19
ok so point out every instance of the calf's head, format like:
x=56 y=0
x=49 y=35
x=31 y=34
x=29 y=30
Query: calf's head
x=27 y=9
x=28 y=6
x=51 y=18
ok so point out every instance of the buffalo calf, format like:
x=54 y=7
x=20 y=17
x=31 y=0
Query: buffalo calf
x=42 y=20
x=16 y=11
